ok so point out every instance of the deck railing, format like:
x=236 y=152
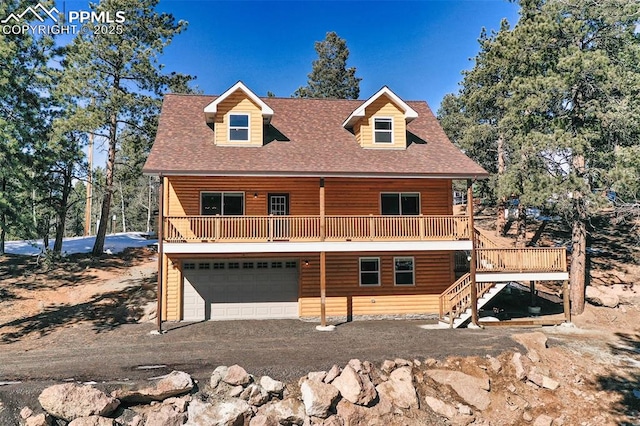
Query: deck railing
x=307 y=228
x=539 y=259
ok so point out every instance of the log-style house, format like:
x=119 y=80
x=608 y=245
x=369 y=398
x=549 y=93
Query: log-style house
x=289 y=208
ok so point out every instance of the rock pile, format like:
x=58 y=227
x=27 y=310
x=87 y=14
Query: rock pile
x=458 y=391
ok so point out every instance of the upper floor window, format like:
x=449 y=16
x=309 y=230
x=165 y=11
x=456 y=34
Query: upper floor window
x=404 y=203
x=383 y=130
x=222 y=203
x=238 y=127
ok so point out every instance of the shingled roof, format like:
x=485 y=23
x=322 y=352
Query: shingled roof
x=305 y=138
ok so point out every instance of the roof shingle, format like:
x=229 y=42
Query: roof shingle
x=305 y=138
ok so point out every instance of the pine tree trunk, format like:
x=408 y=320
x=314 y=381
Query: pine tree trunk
x=521 y=237
x=98 y=246
x=3 y=219
x=62 y=210
x=124 y=222
x=501 y=220
x=577 y=273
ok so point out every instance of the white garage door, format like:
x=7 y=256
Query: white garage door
x=240 y=289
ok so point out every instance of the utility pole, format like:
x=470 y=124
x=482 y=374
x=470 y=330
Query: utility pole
x=87 y=210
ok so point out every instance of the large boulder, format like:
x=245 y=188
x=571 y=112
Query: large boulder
x=96 y=421
x=235 y=412
x=289 y=411
x=255 y=395
x=473 y=390
x=165 y=415
x=354 y=387
x=236 y=376
x=272 y=386
x=69 y=401
x=601 y=296
x=318 y=397
x=175 y=383
x=399 y=389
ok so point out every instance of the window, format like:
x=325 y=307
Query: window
x=262 y=265
x=234 y=265
x=222 y=203
x=404 y=270
x=189 y=266
x=247 y=265
x=218 y=265
x=383 y=130
x=204 y=266
x=406 y=204
x=276 y=265
x=369 y=271
x=291 y=265
x=238 y=127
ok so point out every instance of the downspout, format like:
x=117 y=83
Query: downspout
x=472 y=265
x=160 y=251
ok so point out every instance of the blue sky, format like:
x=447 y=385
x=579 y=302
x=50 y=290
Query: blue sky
x=417 y=48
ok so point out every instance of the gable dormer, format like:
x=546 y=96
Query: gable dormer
x=381 y=121
x=238 y=117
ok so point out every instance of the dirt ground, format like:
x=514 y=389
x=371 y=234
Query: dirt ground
x=77 y=305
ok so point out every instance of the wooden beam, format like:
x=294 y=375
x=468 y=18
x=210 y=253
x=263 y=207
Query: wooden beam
x=565 y=301
x=527 y=322
x=472 y=265
x=323 y=268
x=323 y=290
x=161 y=194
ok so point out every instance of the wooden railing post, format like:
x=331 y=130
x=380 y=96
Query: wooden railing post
x=421 y=227
x=372 y=227
x=218 y=224
x=271 y=222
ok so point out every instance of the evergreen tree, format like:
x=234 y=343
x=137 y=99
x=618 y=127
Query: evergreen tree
x=24 y=123
x=117 y=80
x=572 y=85
x=330 y=77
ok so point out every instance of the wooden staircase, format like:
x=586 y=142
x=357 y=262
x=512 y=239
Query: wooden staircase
x=455 y=302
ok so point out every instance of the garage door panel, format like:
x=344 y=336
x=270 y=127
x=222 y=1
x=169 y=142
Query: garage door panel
x=247 y=290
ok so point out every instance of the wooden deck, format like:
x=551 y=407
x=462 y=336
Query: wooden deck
x=219 y=229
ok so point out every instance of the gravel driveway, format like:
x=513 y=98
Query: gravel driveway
x=284 y=349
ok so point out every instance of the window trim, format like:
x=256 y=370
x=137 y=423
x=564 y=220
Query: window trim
x=399 y=194
x=360 y=259
x=229 y=127
x=222 y=194
x=413 y=271
x=376 y=131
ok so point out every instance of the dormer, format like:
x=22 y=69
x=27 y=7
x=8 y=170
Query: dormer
x=381 y=121
x=238 y=117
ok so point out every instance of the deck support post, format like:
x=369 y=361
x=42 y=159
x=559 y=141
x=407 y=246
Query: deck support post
x=472 y=265
x=160 y=252
x=565 y=301
x=532 y=290
x=323 y=268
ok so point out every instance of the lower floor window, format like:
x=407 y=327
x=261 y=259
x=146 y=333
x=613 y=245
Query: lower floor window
x=369 y=271
x=404 y=271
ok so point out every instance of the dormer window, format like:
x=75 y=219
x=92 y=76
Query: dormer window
x=383 y=130
x=239 y=127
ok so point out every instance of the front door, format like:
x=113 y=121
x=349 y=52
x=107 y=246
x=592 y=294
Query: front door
x=279 y=206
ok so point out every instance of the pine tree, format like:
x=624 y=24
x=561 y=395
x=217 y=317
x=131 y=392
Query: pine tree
x=330 y=77
x=117 y=80
x=573 y=85
x=24 y=123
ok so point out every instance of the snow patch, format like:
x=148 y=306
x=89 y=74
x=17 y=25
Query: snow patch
x=113 y=243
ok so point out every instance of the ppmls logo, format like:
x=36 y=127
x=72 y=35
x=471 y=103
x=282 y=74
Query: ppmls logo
x=103 y=22
x=32 y=12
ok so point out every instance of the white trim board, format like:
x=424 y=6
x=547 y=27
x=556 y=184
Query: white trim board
x=315 y=247
x=490 y=277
